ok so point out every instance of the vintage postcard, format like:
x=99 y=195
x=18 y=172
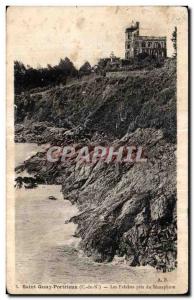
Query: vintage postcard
x=97 y=150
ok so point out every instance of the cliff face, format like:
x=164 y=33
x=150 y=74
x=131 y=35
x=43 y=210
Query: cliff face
x=129 y=210
x=125 y=209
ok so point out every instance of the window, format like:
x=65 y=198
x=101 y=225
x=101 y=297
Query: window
x=143 y=44
x=135 y=52
x=137 y=44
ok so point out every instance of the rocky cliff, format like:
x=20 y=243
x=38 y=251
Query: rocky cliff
x=127 y=210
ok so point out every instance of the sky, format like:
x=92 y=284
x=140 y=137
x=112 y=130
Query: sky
x=38 y=36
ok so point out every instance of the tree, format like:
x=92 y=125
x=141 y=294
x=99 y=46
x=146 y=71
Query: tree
x=67 y=67
x=19 y=67
x=174 y=41
x=19 y=75
x=27 y=78
x=85 y=69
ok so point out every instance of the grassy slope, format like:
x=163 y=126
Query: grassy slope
x=110 y=105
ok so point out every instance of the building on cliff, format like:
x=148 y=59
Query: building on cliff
x=136 y=44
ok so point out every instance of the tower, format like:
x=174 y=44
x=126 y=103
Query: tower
x=130 y=34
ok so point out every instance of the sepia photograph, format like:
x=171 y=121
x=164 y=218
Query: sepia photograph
x=97 y=150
